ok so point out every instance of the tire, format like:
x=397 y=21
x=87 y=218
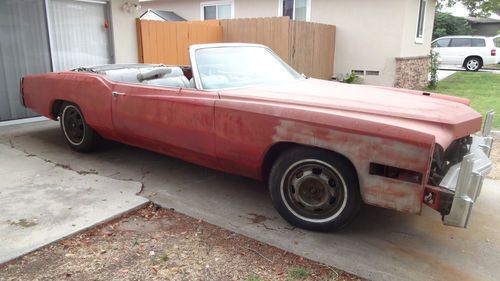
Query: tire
x=314 y=189
x=77 y=133
x=472 y=64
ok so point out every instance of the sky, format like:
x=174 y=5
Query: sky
x=460 y=11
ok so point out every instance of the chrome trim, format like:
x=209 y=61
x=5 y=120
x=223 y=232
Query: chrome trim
x=488 y=123
x=466 y=178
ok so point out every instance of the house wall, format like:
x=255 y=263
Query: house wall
x=486 y=29
x=408 y=46
x=190 y=9
x=124 y=32
x=364 y=41
x=413 y=61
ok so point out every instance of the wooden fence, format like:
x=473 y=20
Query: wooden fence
x=307 y=47
x=168 y=42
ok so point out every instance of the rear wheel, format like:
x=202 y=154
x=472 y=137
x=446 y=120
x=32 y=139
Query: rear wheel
x=78 y=134
x=473 y=64
x=314 y=189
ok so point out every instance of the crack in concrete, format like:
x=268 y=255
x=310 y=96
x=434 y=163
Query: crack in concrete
x=64 y=166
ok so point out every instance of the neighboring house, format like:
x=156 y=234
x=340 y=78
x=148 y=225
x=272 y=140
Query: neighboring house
x=387 y=42
x=484 y=26
x=53 y=35
x=161 y=16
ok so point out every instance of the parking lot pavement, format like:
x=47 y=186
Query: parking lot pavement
x=380 y=245
x=42 y=202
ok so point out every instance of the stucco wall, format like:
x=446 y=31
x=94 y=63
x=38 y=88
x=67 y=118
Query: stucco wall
x=408 y=45
x=124 y=32
x=486 y=29
x=190 y=9
x=368 y=35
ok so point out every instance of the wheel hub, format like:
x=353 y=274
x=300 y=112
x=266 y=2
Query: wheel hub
x=313 y=190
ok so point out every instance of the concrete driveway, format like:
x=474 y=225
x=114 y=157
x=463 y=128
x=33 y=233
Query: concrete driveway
x=380 y=245
x=42 y=202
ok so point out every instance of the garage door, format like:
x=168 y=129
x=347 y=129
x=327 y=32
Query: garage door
x=24 y=49
x=38 y=36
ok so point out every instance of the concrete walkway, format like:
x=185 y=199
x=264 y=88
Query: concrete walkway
x=380 y=245
x=443 y=74
x=42 y=202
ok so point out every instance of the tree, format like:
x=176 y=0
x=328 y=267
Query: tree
x=446 y=24
x=476 y=8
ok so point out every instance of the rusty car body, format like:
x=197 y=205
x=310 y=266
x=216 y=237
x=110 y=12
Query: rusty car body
x=317 y=143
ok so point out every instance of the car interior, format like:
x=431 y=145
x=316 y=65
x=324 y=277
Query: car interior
x=154 y=75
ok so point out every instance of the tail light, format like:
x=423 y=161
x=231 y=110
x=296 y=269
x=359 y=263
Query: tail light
x=493 y=52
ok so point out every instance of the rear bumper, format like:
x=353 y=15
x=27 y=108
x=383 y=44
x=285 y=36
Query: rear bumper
x=465 y=179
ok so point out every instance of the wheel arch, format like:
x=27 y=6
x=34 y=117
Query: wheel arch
x=481 y=61
x=276 y=149
x=56 y=107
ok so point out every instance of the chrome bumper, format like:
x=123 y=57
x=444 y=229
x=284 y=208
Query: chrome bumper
x=465 y=179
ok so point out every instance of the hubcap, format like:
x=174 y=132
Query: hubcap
x=473 y=64
x=314 y=190
x=73 y=125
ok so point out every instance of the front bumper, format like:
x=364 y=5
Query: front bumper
x=465 y=179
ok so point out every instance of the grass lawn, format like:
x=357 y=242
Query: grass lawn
x=481 y=88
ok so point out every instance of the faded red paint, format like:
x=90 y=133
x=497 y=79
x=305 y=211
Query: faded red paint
x=233 y=130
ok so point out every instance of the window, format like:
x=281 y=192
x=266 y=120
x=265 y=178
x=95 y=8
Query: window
x=496 y=42
x=419 y=38
x=460 y=42
x=478 y=42
x=295 y=9
x=441 y=43
x=217 y=10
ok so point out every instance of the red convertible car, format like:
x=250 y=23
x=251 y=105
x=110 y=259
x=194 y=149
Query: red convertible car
x=323 y=147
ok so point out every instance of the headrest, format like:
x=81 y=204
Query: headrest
x=153 y=74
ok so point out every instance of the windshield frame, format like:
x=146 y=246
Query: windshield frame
x=196 y=74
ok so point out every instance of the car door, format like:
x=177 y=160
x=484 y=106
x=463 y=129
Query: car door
x=441 y=46
x=460 y=48
x=174 y=121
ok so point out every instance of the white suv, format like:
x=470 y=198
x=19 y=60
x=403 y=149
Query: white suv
x=471 y=52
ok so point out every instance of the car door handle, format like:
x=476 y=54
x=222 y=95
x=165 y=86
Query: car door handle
x=116 y=94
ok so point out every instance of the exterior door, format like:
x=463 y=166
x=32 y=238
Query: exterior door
x=441 y=47
x=178 y=122
x=459 y=49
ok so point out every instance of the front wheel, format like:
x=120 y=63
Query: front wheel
x=78 y=134
x=314 y=189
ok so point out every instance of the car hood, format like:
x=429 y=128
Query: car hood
x=445 y=117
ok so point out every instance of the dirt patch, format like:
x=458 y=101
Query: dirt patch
x=159 y=244
x=495 y=158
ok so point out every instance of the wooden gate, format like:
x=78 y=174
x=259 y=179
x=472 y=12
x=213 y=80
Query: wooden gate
x=307 y=47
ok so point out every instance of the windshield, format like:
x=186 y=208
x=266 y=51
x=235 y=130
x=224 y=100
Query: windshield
x=240 y=66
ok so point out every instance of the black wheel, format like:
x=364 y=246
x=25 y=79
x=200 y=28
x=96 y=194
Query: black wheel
x=78 y=134
x=473 y=64
x=314 y=189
